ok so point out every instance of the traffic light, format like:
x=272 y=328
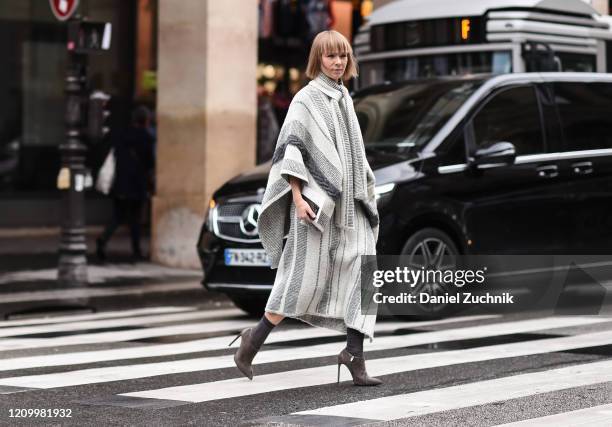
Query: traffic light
x=98 y=114
x=89 y=37
x=466 y=28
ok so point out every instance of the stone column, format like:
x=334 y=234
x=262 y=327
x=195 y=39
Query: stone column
x=602 y=6
x=206 y=110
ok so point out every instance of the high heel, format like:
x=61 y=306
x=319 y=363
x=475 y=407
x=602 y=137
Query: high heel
x=245 y=354
x=356 y=366
x=237 y=336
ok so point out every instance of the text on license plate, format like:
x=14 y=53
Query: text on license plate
x=247 y=257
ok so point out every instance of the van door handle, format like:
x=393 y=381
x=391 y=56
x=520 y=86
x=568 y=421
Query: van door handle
x=548 y=171
x=583 y=168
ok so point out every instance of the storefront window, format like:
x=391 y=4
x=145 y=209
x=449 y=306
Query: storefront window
x=276 y=87
x=33 y=48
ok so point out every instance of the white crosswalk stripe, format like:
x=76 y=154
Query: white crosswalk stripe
x=115 y=373
x=118 y=336
x=327 y=374
x=194 y=346
x=124 y=322
x=53 y=368
x=95 y=316
x=597 y=416
x=472 y=394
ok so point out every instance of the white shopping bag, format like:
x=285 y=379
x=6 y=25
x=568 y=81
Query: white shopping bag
x=106 y=175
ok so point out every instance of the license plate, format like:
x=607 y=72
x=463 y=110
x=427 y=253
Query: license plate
x=247 y=257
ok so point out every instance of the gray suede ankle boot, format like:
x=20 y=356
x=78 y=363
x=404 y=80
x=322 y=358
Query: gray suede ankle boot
x=246 y=352
x=356 y=366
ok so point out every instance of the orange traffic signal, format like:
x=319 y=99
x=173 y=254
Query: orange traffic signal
x=465 y=29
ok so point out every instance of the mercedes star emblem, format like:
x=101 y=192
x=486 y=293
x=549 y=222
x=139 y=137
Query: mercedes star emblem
x=248 y=220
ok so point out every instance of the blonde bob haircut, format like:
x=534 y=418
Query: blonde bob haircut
x=330 y=42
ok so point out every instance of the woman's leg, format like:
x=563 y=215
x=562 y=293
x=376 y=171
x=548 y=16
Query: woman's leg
x=261 y=331
x=252 y=340
x=274 y=318
x=354 y=342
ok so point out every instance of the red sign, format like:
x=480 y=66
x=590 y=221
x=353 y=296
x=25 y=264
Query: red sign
x=63 y=9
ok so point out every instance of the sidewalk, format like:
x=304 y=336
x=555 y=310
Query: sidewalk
x=36 y=248
x=28 y=277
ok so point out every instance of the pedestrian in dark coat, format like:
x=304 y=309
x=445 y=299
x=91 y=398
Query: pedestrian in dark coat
x=134 y=167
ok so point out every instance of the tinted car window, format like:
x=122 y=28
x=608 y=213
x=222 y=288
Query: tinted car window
x=452 y=151
x=586 y=114
x=407 y=117
x=577 y=62
x=511 y=116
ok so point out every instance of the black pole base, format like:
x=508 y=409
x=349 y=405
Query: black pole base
x=72 y=270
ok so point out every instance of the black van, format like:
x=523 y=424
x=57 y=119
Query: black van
x=508 y=164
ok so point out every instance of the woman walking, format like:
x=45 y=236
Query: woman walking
x=320 y=148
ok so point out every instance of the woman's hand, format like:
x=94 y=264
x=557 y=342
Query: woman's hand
x=303 y=210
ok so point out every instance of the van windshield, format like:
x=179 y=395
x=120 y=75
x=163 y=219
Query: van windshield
x=404 y=119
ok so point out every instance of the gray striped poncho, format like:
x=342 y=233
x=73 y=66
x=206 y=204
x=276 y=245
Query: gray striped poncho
x=316 y=142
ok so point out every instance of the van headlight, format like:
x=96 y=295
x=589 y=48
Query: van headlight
x=383 y=193
x=208 y=220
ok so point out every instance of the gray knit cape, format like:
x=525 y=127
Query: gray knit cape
x=307 y=148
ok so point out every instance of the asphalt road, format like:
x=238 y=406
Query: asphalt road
x=152 y=361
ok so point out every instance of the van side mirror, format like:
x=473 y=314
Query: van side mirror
x=499 y=154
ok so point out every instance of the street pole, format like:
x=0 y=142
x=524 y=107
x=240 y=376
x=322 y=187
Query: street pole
x=72 y=267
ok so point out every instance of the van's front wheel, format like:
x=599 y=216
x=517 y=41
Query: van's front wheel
x=431 y=249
